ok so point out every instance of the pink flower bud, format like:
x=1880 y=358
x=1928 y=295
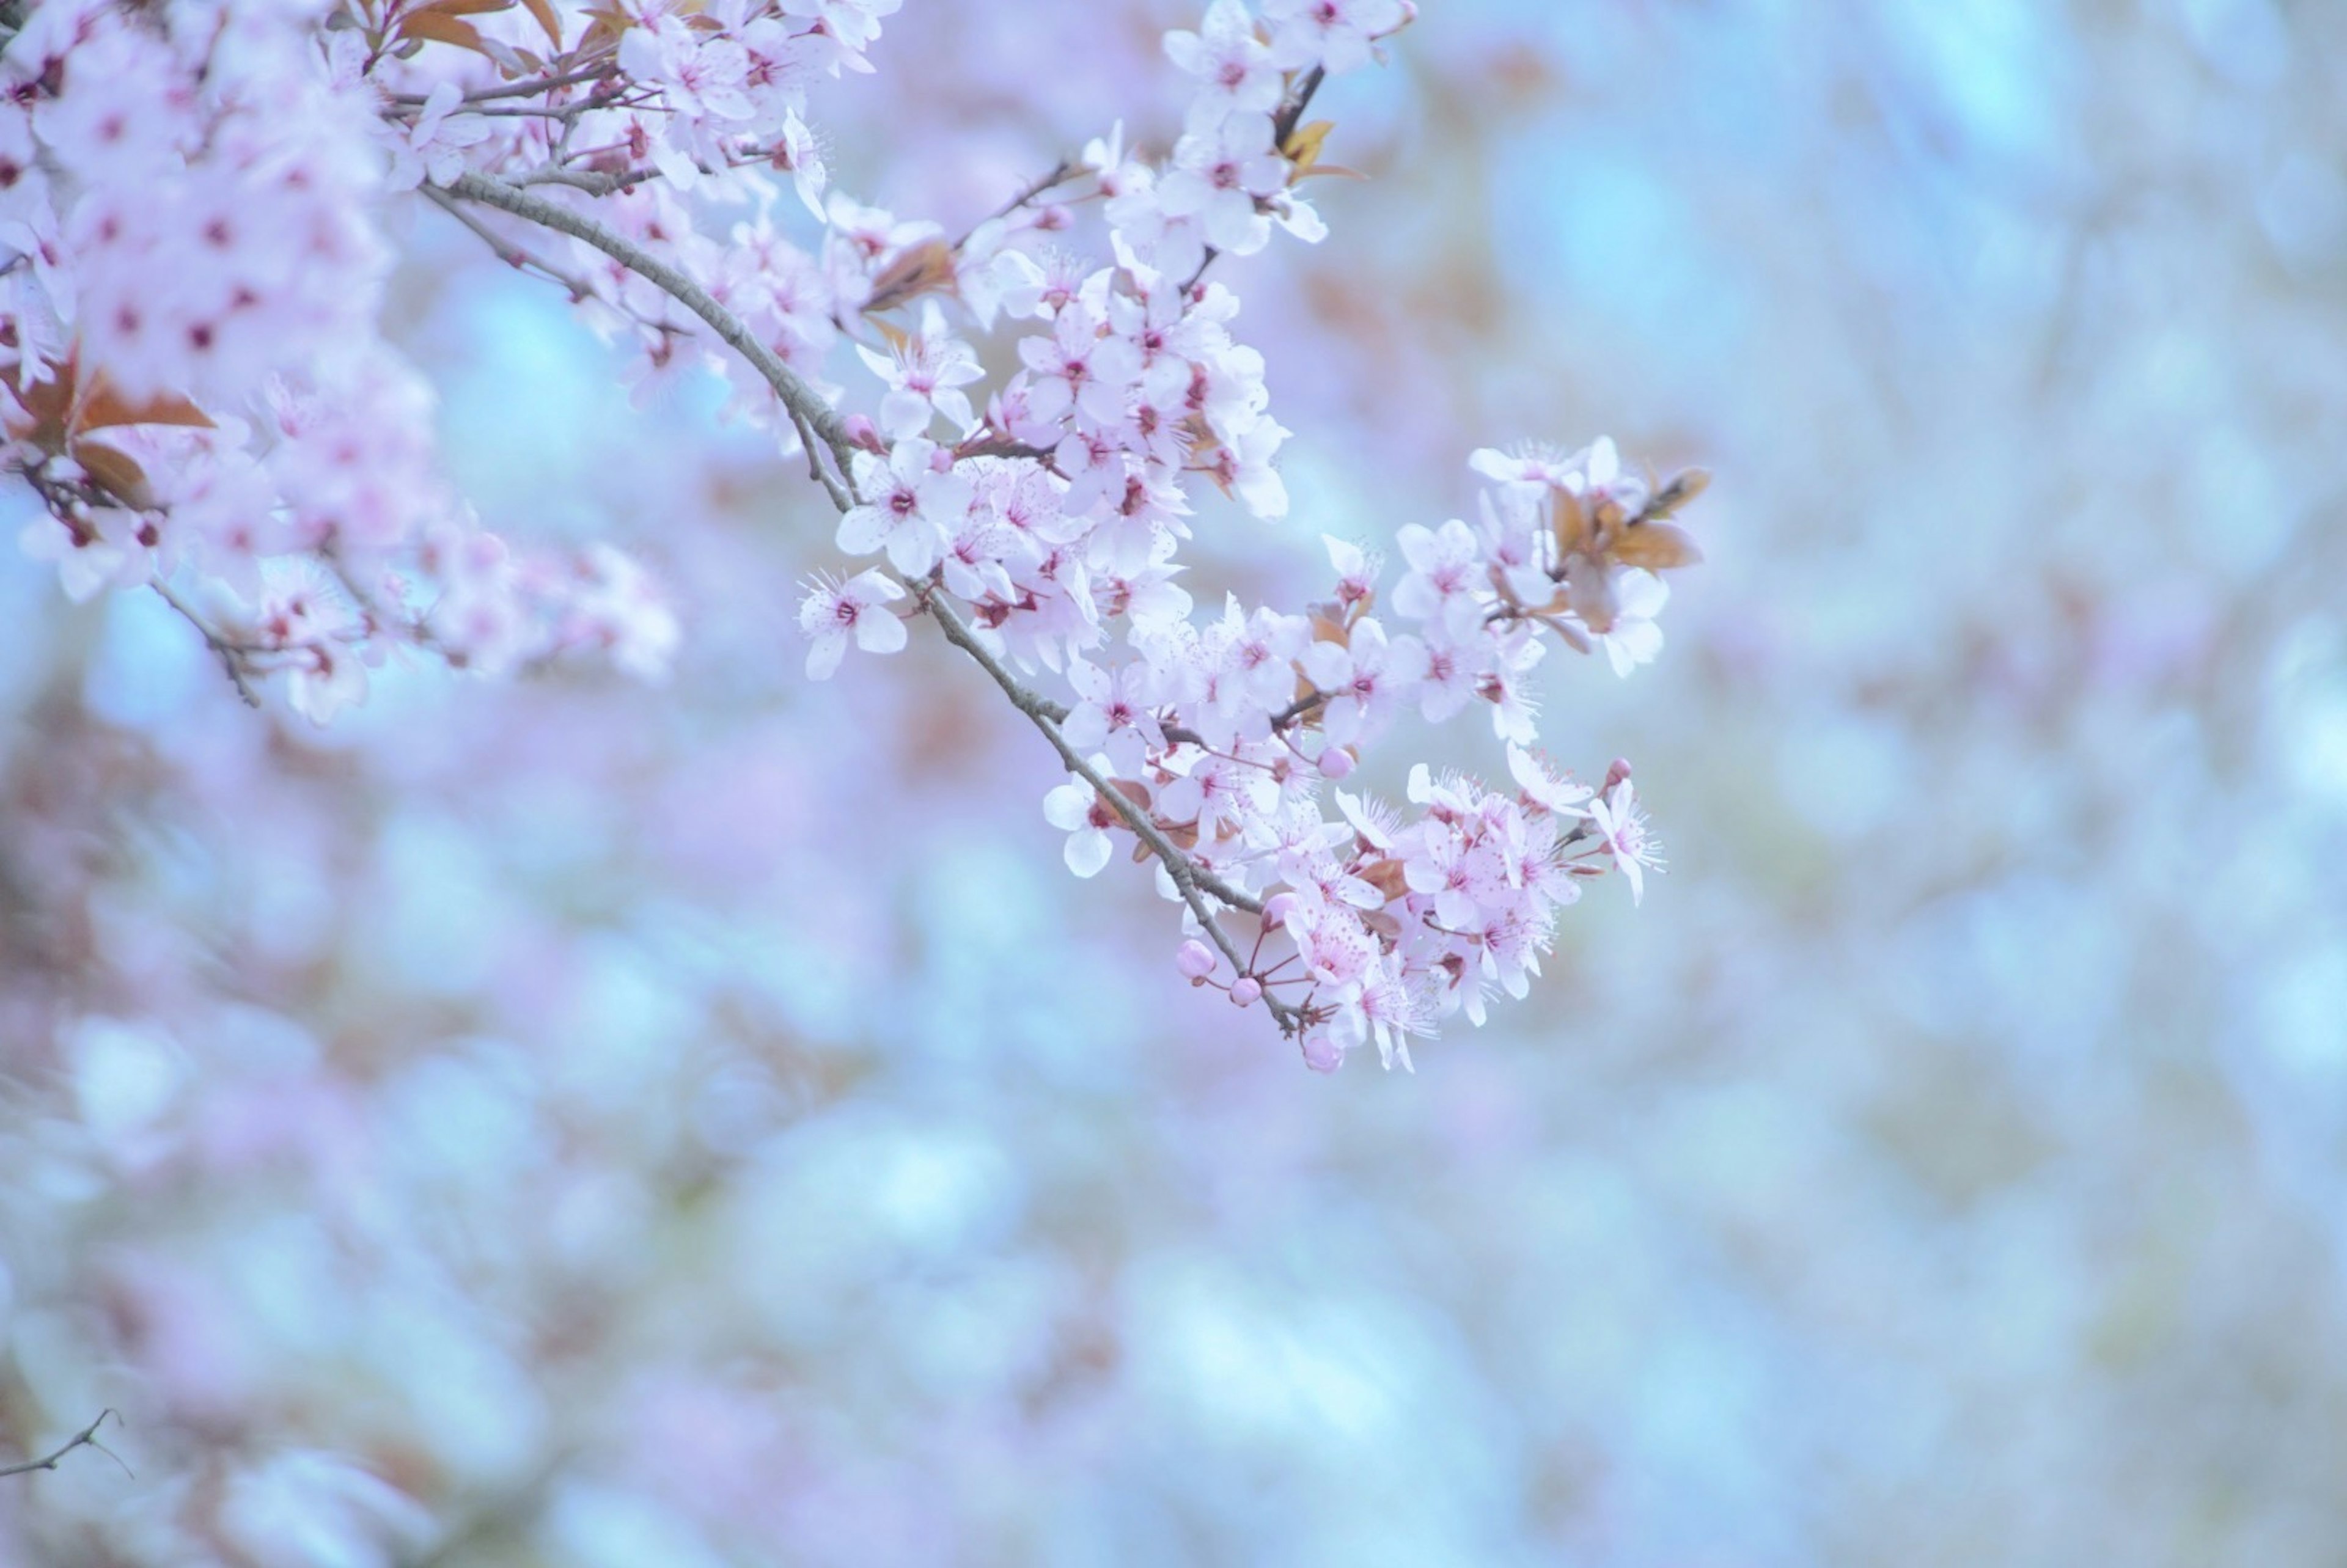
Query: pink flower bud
x=1335 y=763
x=1617 y=773
x=1277 y=909
x=1246 y=990
x=1196 y=960
x=862 y=432
x=1320 y=1052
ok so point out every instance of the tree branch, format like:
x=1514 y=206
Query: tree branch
x=1060 y=172
x=1194 y=885
x=232 y=657
x=86 y=1438
x=810 y=413
x=797 y=396
x=512 y=255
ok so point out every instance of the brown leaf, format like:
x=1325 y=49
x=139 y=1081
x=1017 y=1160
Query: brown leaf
x=1684 y=487
x=604 y=25
x=927 y=268
x=1570 y=518
x=115 y=472
x=1303 y=145
x=1386 y=877
x=548 y=22
x=44 y=407
x=1657 y=547
x=459 y=7
x=104 y=409
x=431 y=27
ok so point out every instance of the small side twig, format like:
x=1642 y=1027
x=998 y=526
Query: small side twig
x=232 y=657
x=505 y=250
x=796 y=393
x=1060 y=173
x=85 y=1439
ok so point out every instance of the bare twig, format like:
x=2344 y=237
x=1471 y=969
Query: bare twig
x=232 y=657
x=511 y=254
x=1299 y=98
x=1060 y=172
x=797 y=396
x=86 y=1438
x=522 y=90
x=587 y=180
x=842 y=488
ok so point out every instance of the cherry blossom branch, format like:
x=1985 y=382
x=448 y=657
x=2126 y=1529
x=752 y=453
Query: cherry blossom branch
x=592 y=183
x=512 y=255
x=86 y=1438
x=1283 y=123
x=842 y=488
x=802 y=400
x=1060 y=172
x=521 y=90
x=1194 y=885
x=809 y=412
x=232 y=657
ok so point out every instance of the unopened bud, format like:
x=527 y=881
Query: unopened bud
x=1617 y=773
x=1320 y=1052
x=1335 y=763
x=1195 y=960
x=862 y=432
x=1246 y=990
x=1277 y=909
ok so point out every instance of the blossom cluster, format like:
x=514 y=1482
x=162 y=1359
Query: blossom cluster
x=238 y=437
x=197 y=387
x=1055 y=519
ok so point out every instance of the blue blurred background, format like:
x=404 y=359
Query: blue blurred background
x=704 y=1125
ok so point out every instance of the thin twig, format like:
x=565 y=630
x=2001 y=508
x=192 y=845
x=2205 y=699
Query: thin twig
x=1283 y=123
x=1061 y=173
x=796 y=394
x=232 y=657
x=86 y=1438
x=520 y=89
x=511 y=254
x=841 y=490
x=587 y=180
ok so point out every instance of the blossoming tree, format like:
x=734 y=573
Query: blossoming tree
x=201 y=396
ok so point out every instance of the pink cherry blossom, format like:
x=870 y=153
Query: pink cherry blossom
x=914 y=509
x=1337 y=34
x=1366 y=680
x=1621 y=824
x=833 y=612
x=1234 y=69
x=1077 y=809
